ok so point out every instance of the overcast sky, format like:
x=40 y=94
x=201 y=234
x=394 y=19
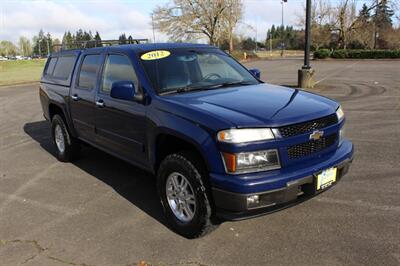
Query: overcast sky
x=113 y=17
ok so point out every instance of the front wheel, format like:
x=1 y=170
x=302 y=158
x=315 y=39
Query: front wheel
x=67 y=147
x=184 y=196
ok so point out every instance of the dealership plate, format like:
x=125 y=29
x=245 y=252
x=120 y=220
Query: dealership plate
x=326 y=178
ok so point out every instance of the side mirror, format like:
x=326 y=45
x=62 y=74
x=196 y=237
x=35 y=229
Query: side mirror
x=125 y=90
x=255 y=72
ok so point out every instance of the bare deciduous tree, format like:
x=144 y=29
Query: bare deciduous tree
x=185 y=19
x=231 y=16
x=24 y=45
x=346 y=21
x=340 y=20
x=321 y=20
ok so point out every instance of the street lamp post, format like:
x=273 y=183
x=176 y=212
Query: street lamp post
x=306 y=73
x=48 y=47
x=307 y=36
x=282 y=31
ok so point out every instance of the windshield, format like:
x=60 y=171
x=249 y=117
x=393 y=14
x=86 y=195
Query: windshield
x=179 y=70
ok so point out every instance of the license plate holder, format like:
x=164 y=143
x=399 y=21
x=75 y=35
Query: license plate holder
x=326 y=178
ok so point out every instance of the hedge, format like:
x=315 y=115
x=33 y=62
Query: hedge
x=356 y=54
x=322 y=53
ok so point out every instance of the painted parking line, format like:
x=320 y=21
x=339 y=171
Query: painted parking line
x=337 y=72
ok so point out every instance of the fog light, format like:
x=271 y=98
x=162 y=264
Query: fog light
x=253 y=200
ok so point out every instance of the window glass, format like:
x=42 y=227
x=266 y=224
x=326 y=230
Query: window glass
x=50 y=66
x=212 y=65
x=117 y=68
x=64 y=67
x=192 y=68
x=88 y=72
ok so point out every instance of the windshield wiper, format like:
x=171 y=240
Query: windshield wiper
x=182 y=89
x=229 y=84
x=200 y=88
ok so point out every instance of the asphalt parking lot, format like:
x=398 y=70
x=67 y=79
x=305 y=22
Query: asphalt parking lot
x=102 y=211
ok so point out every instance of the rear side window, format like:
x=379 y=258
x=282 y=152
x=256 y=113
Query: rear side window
x=64 y=67
x=117 y=68
x=50 y=66
x=88 y=71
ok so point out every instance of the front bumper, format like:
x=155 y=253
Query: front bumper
x=298 y=185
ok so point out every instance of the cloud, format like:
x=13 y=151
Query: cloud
x=113 y=17
x=109 y=18
x=259 y=15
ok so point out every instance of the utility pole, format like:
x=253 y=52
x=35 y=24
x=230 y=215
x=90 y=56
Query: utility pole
x=48 y=47
x=152 y=25
x=282 y=31
x=305 y=74
x=39 y=40
x=256 y=35
x=270 y=44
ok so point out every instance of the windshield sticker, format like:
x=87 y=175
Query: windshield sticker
x=155 y=55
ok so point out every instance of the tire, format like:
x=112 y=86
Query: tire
x=188 y=165
x=67 y=147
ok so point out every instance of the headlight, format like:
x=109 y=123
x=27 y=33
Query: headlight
x=245 y=135
x=251 y=161
x=339 y=113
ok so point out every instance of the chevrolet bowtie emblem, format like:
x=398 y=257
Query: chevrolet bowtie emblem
x=316 y=135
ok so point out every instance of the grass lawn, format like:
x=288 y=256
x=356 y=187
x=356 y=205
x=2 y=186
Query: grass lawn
x=20 y=71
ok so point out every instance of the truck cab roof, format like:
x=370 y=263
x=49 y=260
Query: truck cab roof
x=138 y=48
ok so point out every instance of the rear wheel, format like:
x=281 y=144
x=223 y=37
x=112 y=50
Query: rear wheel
x=67 y=147
x=184 y=196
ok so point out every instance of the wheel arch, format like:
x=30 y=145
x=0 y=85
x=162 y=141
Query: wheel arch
x=172 y=142
x=56 y=109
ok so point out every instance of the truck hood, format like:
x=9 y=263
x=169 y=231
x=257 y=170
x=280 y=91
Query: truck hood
x=257 y=105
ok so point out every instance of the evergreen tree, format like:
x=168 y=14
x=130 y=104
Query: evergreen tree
x=40 y=44
x=291 y=37
x=88 y=39
x=97 y=38
x=49 y=43
x=68 y=40
x=383 y=23
x=383 y=15
x=273 y=32
x=122 y=39
x=364 y=15
x=79 y=37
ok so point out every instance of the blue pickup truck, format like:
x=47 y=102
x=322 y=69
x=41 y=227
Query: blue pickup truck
x=223 y=144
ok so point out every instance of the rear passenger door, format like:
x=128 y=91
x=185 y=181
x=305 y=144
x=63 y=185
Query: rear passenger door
x=82 y=102
x=120 y=124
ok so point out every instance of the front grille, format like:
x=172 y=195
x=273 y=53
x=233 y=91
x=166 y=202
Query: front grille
x=310 y=147
x=308 y=126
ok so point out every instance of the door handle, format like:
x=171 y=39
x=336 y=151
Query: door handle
x=100 y=103
x=75 y=97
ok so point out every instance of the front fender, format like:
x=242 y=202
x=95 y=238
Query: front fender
x=198 y=136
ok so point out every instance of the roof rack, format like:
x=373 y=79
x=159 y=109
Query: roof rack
x=96 y=43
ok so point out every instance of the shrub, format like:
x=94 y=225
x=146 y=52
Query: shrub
x=362 y=54
x=322 y=53
x=339 y=54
